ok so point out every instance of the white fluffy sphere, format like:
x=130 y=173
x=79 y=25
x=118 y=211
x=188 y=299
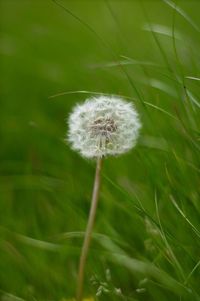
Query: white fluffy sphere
x=103 y=126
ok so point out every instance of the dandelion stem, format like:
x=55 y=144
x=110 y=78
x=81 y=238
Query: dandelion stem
x=88 y=232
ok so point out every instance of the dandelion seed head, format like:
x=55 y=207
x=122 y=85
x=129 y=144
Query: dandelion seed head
x=103 y=126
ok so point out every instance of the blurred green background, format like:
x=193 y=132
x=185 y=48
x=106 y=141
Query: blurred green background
x=146 y=239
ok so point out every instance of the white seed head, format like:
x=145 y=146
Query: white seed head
x=103 y=126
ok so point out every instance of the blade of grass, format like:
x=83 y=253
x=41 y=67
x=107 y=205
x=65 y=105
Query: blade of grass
x=117 y=95
x=196 y=231
x=182 y=13
x=192 y=272
x=193 y=78
x=177 y=264
x=161 y=29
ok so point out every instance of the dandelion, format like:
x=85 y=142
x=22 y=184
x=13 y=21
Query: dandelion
x=103 y=126
x=100 y=127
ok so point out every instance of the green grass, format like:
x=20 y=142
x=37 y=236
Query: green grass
x=147 y=232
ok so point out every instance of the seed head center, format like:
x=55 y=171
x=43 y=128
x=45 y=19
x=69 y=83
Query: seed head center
x=103 y=127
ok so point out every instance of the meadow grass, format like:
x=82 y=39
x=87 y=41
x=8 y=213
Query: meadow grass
x=147 y=236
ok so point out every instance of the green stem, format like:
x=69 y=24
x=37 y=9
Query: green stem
x=88 y=232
